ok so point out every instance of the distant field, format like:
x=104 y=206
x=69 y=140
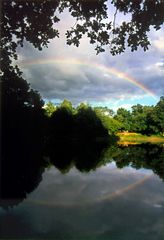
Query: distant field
x=135 y=138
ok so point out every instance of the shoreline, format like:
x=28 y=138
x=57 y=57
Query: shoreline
x=136 y=138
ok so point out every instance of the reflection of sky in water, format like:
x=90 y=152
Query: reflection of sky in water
x=80 y=188
x=108 y=203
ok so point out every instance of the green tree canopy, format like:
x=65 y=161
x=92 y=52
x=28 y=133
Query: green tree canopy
x=159 y=112
x=124 y=116
x=67 y=105
x=106 y=116
x=49 y=108
x=138 y=119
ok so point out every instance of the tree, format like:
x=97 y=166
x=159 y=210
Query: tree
x=159 y=115
x=17 y=93
x=22 y=114
x=19 y=22
x=105 y=115
x=147 y=119
x=144 y=14
x=124 y=116
x=67 y=105
x=82 y=106
x=35 y=22
x=88 y=124
x=139 y=119
x=61 y=122
x=22 y=137
x=49 y=108
x=149 y=123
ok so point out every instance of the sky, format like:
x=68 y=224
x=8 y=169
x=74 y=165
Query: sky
x=66 y=72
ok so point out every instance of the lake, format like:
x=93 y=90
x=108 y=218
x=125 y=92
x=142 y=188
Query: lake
x=119 y=196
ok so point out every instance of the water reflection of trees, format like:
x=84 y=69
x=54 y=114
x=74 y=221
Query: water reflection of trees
x=22 y=174
x=85 y=156
x=89 y=156
x=28 y=135
x=148 y=156
x=23 y=120
x=22 y=166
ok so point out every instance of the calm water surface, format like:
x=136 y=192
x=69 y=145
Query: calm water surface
x=106 y=203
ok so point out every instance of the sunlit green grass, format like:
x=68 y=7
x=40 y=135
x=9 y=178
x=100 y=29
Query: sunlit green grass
x=135 y=138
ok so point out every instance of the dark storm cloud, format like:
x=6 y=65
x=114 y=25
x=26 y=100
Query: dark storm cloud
x=88 y=83
x=156 y=84
x=53 y=82
x=147 y=68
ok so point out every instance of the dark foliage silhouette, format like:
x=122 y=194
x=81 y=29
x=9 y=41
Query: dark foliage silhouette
x=22 y=121
x=28 y=134
x=148 y=156
x=88 y=124
x=84 y=155
x=76 y=138
x=35 y=22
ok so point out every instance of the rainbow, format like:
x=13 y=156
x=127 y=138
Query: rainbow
x=108 y=197
x=106 y=70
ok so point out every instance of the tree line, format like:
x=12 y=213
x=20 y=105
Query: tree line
x=35 y=135
x=141 y=119
x=30 y=135
x=27 y=132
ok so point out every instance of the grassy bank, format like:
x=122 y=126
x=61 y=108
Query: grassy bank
x=136 y=138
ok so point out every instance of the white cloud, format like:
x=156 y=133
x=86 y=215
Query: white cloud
x=126 y=106
x=156 y=68
x=159 y=44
